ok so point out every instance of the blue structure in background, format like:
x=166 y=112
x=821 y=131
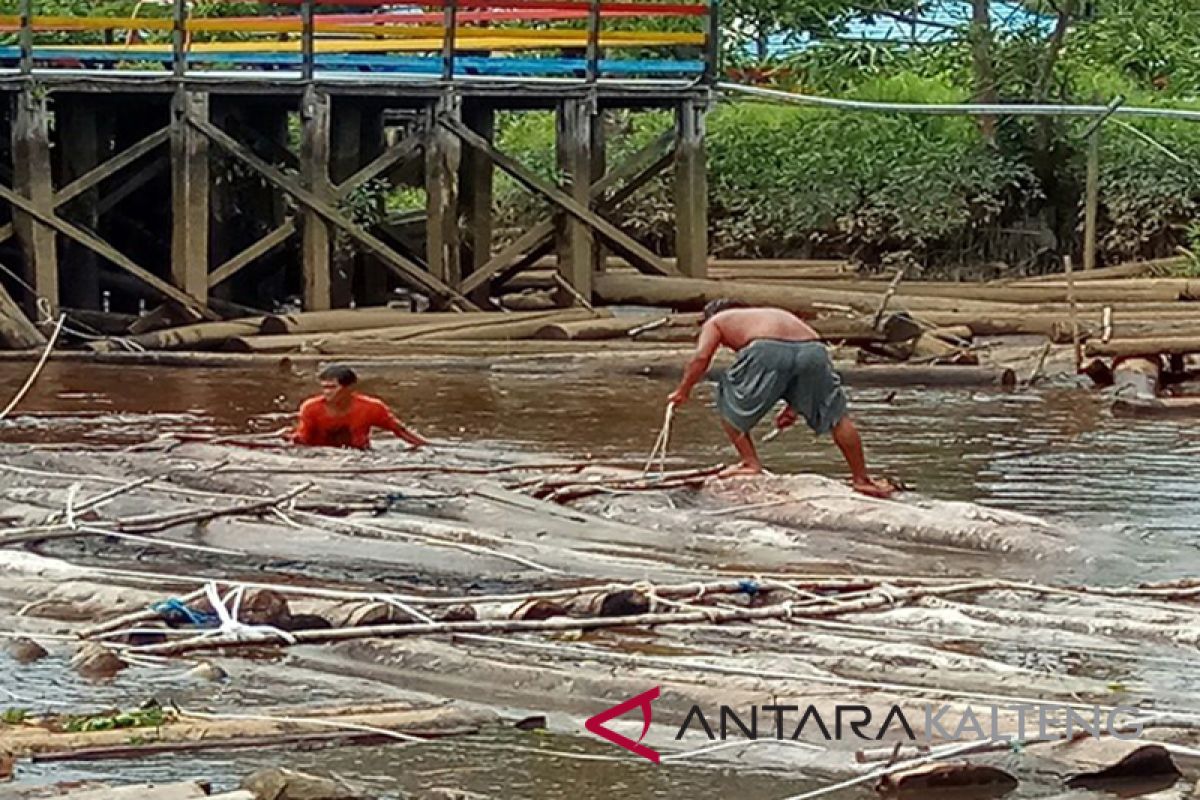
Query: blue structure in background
x=940 y=21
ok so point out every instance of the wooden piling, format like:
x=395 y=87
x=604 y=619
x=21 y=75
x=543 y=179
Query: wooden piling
x=314 y=169
x=32 y=178
x=84 y=135
x=189 y=195
x=576 y=250
x=443 y=155
x=477 y=179
x=691 y=190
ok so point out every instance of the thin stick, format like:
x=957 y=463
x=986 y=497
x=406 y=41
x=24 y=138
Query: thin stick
x=1074 y=313
x=1041 y=362
x=163 y=522
x=887 y=298
x=37 y=369
x=571 y=290
x=132 y=618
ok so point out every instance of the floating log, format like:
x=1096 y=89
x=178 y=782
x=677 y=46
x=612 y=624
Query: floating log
x=592 y=329
x=190 y=733
x=1140 y=328
x=446 y=327
x=1164 y=345
x=978 y=780
x=204 y=335
x=342 y=320
x=884 y=375
x=165 y=315
x=691 y=294
x=1157 y=407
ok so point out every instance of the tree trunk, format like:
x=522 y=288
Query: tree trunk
x=985 y=70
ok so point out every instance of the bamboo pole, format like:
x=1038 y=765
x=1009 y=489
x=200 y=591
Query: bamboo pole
x=1074 y=313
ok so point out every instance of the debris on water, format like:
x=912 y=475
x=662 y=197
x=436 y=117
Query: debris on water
x=97 y=662
x=25 y=651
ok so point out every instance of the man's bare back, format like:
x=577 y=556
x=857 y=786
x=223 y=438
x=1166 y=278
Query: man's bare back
x=738 y=327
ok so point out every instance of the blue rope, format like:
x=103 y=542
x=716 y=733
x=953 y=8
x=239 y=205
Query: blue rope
x=748 y=587
x=175 y=609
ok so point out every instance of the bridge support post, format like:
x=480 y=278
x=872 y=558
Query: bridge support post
x=577 y=249
x=189 y=195
x=32 y=178
x=691 y=190
x=443 y=155
x=85 y=140
x=476 y=177
x=314 y=171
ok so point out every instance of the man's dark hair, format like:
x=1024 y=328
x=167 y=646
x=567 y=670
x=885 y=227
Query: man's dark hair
x=336 y=372
x=714 y=307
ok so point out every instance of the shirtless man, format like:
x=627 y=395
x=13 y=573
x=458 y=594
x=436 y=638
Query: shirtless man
x=341 y=417
x=778 y=358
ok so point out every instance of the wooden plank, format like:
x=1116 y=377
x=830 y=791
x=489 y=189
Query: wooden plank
x=314 y=170
x=573 y=144
x=105 y=249
x=33 y=178
x=100 y=173
x=255 y=251
x=639 y=169
x=443 y=154
x=637 y=254
x=189 y=196
x=691 y=191
x=404 y=268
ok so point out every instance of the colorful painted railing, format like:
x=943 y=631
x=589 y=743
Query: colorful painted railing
x=446 y=38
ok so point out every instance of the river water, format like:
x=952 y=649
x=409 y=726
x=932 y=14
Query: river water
x=1129 y=486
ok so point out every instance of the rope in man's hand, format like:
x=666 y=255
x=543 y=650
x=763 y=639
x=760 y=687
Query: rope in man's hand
x=660 y=444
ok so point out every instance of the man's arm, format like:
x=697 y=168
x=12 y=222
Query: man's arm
x=389 y=421
x=706 y=347
x=305 y=431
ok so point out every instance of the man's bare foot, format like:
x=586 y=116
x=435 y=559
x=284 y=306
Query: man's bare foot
x=743 y=468
x=874 y=487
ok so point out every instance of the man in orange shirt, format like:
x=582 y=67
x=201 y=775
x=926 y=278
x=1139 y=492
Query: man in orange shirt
x=341 y=417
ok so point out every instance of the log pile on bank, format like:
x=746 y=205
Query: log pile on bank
x=933 y=330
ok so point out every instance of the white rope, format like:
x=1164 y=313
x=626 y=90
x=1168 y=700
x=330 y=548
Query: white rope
x=660 y=444
x=36 y=370
x=230 y=625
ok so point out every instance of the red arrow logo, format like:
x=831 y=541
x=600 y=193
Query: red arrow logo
x=596 y=724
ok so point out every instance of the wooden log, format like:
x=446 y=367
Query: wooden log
x=1127 y=270
x=907 y=293
x=1131 y=328
x=690 y=294
x=202 y=336
x=45 y=745
x=106 y=322
x=1137 y=377
x=344 y=319
x=516 y=329
x=1157 y=407
x=593 y=329
x=474 y=325
x=1165 y=345
x=887 y=375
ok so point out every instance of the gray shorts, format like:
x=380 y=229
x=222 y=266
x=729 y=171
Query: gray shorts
x=769 y=370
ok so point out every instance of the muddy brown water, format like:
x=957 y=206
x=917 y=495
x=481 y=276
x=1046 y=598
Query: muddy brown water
x=1128 y=485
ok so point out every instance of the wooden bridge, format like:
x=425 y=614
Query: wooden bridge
x=216 y=161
